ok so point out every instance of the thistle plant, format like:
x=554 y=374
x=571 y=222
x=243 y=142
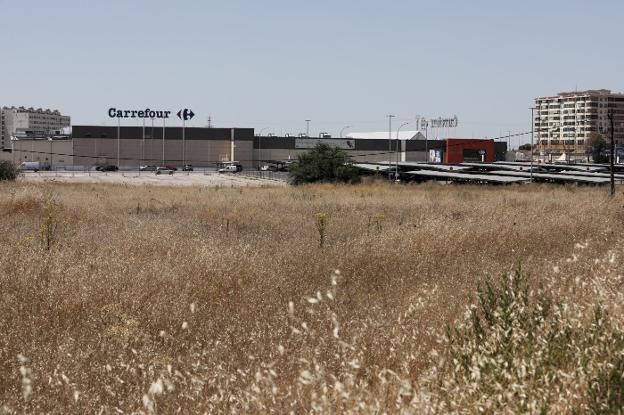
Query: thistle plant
x=322 y=218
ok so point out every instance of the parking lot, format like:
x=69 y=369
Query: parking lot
x=196 y=178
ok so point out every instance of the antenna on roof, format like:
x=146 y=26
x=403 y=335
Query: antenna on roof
x=209 y=121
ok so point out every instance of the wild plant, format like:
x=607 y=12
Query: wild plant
x=322 y=220
x=49 y=224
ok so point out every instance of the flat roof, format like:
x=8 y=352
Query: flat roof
x=370 y=167
x=492 y=178
x=555 y=176
x=424 y=165
x=555 y=166
x=500 y=166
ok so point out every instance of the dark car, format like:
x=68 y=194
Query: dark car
x=188 y=167
x=148 y=168
x=107 y=167
x=171 y=167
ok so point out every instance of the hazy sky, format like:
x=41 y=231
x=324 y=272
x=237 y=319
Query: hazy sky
x=272 y=64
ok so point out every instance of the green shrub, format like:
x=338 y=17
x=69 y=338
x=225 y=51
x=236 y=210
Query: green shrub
x=323 y=163
x=8 y=170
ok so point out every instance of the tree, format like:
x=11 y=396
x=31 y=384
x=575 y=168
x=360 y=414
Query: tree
x=595 y=147
x=525 y=147
x=323 y=163
x=8 y=171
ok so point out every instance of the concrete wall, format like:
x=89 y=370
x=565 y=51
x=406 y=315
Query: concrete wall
x=56 y=152
x=201 y=147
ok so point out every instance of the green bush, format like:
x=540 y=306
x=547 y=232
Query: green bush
x=8 y=170
x=323 y=163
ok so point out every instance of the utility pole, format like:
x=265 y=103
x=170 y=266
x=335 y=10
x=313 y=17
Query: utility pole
x=396 y=168
x=390 y=117
x=611 y=119
x=163 y=143
x=118 y=139
x=142 y=147
x=532 y=133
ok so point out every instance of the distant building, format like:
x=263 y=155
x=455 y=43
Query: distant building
x=29 y=121
x=365 y=147
x=563 y=122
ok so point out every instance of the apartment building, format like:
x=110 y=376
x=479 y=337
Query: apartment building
x=20 y=119
x=2 y=128
x=564 y=122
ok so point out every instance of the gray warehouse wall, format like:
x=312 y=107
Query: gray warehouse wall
x=202 y=147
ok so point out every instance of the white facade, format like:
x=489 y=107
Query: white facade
x=19 y=119
x=564 y=122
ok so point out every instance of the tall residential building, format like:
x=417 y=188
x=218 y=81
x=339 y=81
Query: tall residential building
x=2 y=128
x=563 y=122
x=21 y=119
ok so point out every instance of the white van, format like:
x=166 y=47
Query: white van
x=34 y=166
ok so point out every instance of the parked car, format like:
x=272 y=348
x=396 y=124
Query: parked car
x=163 y=170
x=147 y=168
x=171 y=167
x=229 y=167
x=188 y=167
x=107 y=167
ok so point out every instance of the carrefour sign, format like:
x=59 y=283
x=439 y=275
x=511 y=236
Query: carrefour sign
x=184 y=114
x=143 y=113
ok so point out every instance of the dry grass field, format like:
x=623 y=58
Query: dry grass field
x=317 y=299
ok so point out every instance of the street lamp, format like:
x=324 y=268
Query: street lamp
x=260 y=145
x=532 y=133
x=396 y=168
x=344 y=128
x=390 y=117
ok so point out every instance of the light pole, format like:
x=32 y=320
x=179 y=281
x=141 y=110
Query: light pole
x=142 y=146
x=308 y=128
x=344 y=128
x=532 y=129
x=260 y=145
x=396 y=167
x=118 y=139
x=610 y=116
x=390 y=117
x=163 y=143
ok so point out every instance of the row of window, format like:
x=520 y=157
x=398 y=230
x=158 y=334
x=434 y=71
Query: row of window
x=561 y=142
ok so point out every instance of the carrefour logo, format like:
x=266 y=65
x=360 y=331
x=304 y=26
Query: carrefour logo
x=146 y=113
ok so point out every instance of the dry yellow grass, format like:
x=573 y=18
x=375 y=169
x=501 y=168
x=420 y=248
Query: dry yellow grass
x=221 y=300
